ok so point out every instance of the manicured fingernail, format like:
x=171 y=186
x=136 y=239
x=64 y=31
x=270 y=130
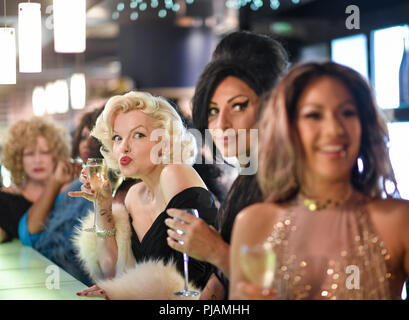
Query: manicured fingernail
x=79 y=294
x=102 y=292
x=92 y=191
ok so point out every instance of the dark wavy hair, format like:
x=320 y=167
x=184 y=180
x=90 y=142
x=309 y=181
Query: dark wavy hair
x=259 y=61
x=87 y=121
x=262 y=51
x=280 y=155
x=256 y=59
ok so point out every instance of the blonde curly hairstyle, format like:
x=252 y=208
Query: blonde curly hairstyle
x=164 y=116
x=24 y=133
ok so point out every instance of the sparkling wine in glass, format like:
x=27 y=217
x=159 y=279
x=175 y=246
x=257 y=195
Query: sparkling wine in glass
x=115 y=180
x=97 y=175
x=258 y=264
x=186 y=292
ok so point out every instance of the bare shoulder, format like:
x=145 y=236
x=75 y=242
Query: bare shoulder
x=396 y=209
x=261 y=208
x=133 y=195
x=391 y=217
x=257 y=220
x=178 y=177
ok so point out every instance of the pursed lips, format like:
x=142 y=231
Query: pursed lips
x=227 y=139
x=125 y=160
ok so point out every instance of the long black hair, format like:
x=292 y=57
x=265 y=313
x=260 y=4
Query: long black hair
x=259 y=61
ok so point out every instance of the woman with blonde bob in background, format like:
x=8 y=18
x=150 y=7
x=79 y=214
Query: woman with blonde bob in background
x=330 y=216
x=130 y=258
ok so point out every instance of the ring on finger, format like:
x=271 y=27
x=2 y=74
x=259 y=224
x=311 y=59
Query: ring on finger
x=177 y=234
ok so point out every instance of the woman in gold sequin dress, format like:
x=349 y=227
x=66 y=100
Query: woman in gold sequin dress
x=331 y=212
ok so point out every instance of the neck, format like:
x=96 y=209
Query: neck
x=33 y=189
x=243 y=162
x=152 y=180
x=244 y=158
x=320 y=190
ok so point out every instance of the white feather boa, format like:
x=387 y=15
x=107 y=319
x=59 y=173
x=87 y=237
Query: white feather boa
x=151 y=280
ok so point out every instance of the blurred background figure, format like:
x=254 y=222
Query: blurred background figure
x=331 y=226
x=31 y=152
x=56 y=213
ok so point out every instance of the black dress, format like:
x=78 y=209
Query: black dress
x=12 y=208
x=244 y=192
x=155 y=246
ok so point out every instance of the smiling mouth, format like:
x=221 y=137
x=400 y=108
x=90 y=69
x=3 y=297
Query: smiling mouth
x=334 y=150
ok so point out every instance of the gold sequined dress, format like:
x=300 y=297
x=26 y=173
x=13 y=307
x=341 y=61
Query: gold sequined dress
x=333 y=253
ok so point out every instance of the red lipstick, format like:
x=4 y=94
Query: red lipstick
x=125 y=160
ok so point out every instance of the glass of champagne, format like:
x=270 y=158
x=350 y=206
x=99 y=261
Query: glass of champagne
x=258 y=264
x=115 y=180
x=97 y=175
x=185 y=292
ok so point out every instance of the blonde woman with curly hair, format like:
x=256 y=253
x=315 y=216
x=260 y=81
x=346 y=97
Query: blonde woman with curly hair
x=36 y=152
x=143 y=138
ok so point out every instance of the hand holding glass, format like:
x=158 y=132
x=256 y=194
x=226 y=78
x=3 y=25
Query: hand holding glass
x=258 y=264
x=185 y=292
x=97 y=175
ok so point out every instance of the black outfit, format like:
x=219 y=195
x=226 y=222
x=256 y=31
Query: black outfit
x=12 y=208
x=243 y=193
x=155 y=246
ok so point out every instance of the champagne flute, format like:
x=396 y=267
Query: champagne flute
x=185 y=292
x=97 y=175
x=115 y=180
x=258 y=264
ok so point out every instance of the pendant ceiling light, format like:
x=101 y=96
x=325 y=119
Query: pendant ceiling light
x=38 y=100
x=69 y=26
x=78 y=91
x=29 y=37
x=7 y=53
x=7 y=56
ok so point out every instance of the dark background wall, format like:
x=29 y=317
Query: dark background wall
x=162 y=55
